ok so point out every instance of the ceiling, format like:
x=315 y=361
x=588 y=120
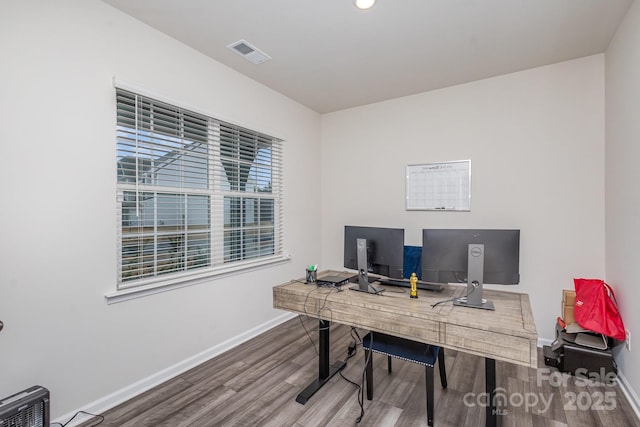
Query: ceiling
x=329 y=56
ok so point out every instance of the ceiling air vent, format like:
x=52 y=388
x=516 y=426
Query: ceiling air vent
x=249 y=52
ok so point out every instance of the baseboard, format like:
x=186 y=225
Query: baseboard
x=629 y=393
x=543 y=341
x=101 y=405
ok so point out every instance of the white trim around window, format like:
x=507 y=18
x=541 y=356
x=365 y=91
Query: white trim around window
x=197 y=197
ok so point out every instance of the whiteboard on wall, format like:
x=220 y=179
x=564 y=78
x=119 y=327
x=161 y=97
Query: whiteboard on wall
x=443 y=186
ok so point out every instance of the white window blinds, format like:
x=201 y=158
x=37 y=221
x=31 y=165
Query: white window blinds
x=194 y=193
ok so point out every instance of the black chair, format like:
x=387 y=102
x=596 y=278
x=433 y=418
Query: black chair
x=412 y=351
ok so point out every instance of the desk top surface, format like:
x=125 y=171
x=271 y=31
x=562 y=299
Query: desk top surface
x=507 y=334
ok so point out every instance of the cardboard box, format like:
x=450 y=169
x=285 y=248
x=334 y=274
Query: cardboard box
x=568 y=303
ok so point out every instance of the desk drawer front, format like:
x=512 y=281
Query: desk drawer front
x=489 y=344
x=392 y=324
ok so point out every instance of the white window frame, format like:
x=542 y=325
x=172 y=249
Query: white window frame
x=219 y=265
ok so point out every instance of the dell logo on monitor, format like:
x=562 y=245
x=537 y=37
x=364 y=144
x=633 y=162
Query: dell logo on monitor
x=476 y=251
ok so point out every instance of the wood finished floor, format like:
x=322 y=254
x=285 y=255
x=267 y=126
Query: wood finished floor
x=256 y=383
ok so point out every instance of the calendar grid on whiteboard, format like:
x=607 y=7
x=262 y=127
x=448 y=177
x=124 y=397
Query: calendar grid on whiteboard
x=443 y=186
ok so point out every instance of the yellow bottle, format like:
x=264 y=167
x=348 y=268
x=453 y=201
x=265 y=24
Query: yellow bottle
x=413 y=280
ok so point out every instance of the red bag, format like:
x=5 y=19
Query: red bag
x=596 y=308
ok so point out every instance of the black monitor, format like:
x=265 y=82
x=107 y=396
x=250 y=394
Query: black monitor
x=471 y=256
x=383 y=253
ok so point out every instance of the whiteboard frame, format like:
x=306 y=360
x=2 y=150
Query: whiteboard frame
x=428 y=171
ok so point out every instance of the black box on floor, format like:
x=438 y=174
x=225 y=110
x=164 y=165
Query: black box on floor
x=551 y=358
x=579 y=360
x=588 y=362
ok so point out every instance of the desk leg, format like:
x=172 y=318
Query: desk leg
x=492 y=419
x=325 y=370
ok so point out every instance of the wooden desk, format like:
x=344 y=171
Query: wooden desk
x=507 y=334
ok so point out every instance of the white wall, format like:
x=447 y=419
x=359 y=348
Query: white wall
x=536 y=143
x=622 y=178
x=58 y=216
x=535 y=138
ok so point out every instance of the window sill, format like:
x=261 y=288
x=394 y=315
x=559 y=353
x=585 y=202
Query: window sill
x=181 y=282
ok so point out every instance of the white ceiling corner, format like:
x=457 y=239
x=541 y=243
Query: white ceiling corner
x=329 y=56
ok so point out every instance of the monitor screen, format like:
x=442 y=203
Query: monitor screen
x=385 y=249
x=445 y=253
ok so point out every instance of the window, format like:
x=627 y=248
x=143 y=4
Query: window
x=195 y=194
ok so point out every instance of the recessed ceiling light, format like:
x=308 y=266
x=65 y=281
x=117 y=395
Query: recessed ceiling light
x=364 y=4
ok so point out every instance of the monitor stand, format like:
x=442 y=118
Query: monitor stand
x=475 y=272
x=363 y=275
